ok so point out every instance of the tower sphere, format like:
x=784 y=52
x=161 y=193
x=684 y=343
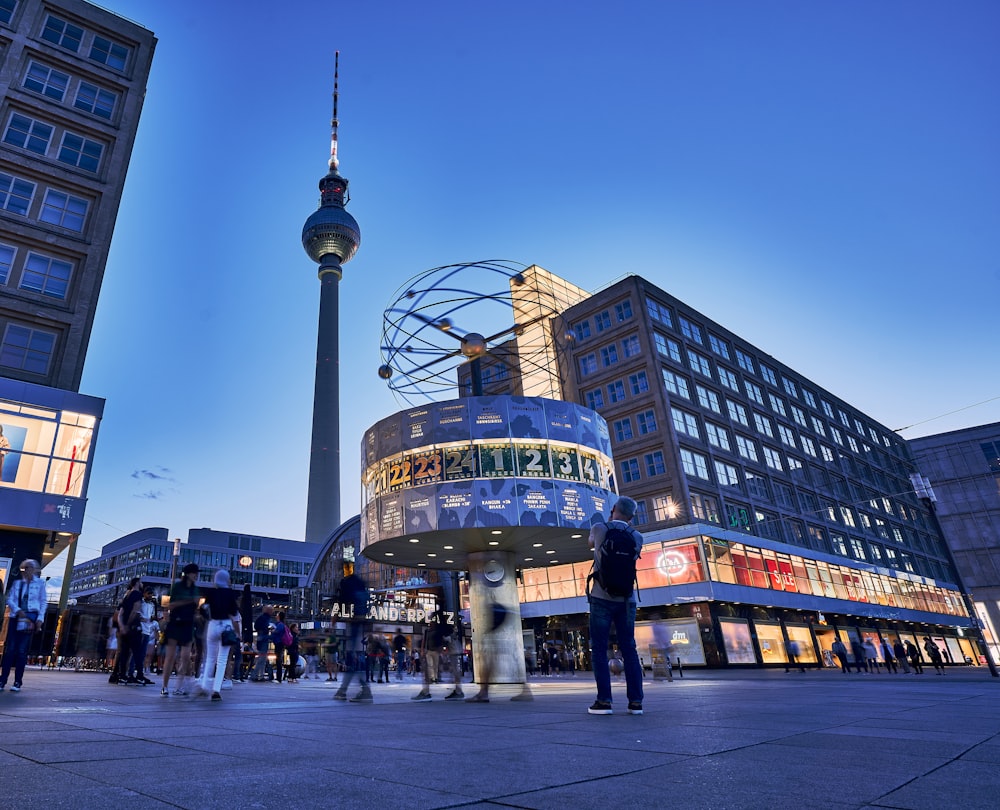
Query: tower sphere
x=330 y=229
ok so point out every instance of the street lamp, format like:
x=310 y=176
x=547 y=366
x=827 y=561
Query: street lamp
x=173 y=564
x=925 y=492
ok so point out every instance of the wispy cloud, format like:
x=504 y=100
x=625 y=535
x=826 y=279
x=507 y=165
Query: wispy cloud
x=156 y=474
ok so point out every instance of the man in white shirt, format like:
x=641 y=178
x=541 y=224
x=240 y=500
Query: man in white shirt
x=26 y=603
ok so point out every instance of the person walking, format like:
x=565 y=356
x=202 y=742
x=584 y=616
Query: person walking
x=435 y=644
x=871 y=656
x=860 y=655
x=278 y=639
x=888 y=657
x=224 y=615
x=399 y=652
x=354 y=600
x=26 y=603
x=934 y=653
x=262 y=626
x=839 y=649
x=617 y=608
x=129 y=634
x=900 y=652
x=293 y=654
x=914 y=655
x=179 y=633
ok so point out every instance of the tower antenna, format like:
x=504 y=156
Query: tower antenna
x=334 y=123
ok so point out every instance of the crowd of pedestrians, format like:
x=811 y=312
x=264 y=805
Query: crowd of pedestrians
x=897 y=657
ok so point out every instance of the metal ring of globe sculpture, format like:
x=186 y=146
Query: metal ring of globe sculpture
x=485 y=483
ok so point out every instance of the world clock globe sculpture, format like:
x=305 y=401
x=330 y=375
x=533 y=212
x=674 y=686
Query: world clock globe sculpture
x=492 y=482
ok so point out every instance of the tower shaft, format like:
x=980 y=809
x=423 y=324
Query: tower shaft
x=323 y=506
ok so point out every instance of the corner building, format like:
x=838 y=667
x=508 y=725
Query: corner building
x=772 y=510
x=72 y=85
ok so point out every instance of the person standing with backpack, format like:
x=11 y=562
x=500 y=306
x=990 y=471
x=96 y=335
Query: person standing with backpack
x=611 y=594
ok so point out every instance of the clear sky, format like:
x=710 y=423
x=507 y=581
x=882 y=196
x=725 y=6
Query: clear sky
x=821 y=178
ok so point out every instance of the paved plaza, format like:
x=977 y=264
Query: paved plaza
x=713 y=739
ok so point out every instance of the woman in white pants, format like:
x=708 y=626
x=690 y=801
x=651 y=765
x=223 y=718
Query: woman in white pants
x=224 y=611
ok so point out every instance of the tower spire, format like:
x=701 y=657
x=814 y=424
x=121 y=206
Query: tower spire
x=334 y=123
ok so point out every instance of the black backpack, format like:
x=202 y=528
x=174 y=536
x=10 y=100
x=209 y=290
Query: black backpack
x=614 y=569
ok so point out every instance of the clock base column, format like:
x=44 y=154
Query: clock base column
x=497 y=641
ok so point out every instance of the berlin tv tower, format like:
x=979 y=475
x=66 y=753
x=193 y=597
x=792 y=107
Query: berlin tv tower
x=331 y=237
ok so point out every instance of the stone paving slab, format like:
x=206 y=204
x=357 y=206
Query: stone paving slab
x=716 y=739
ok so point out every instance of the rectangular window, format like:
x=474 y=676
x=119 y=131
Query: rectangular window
x=757 y=485
x=659 y=313
x=80 y=152
x=623 y=310
x=595 y=399
x=747 y=448
x=818 y=426
x=718 y=436
x=47 y=81
x=110 y=53
x=777 y=404
x=738 y=413
x=623 y=429
x=708 y=399
x=616 y=391
x=7 y=253
x=845 y=420
x=728 y=379
x=46 y=275
x=772 y=458
x=799 y=416
x=27 y=349
x=588 y=364
x=718 y=345
x=630 y=346
x=699 y=364
x=61 y=33
x=727 y=474
x=787 y=435
x=93 y=99
x=797 y=469
x=582 y=330
x=768 y=375
x=602 y=320
x=807 y=395
x=704 y=507
x=694 y=464
x=763 y=425
x=667 y=347
x=827 y=408
x=685 y=423
x=28 y=134
x=690 y=330
x=630 y=470
x=745 y=361
x=7 y=10
x=641 y=516
x=783 y=495
x=676 y=384
x=63 y=210
x=609 y=355
x=838 y=437
x=654 y=463
x=15 y=194
x=639 y=383
x=809 y=446
x=646 y=422
x=754 y=392
x=789 y=386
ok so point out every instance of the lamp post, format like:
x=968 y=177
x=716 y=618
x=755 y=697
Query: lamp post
x=176 y=557
x=926 y=494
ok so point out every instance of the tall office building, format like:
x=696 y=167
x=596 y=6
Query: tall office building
x=773 y=510
x=72 y=82
x=963 y=468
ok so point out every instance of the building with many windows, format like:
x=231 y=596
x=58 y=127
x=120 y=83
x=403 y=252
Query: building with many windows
x=772 y=509
x=963 y=467
x=72 y=83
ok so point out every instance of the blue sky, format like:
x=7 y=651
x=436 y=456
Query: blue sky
x=820 y=178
